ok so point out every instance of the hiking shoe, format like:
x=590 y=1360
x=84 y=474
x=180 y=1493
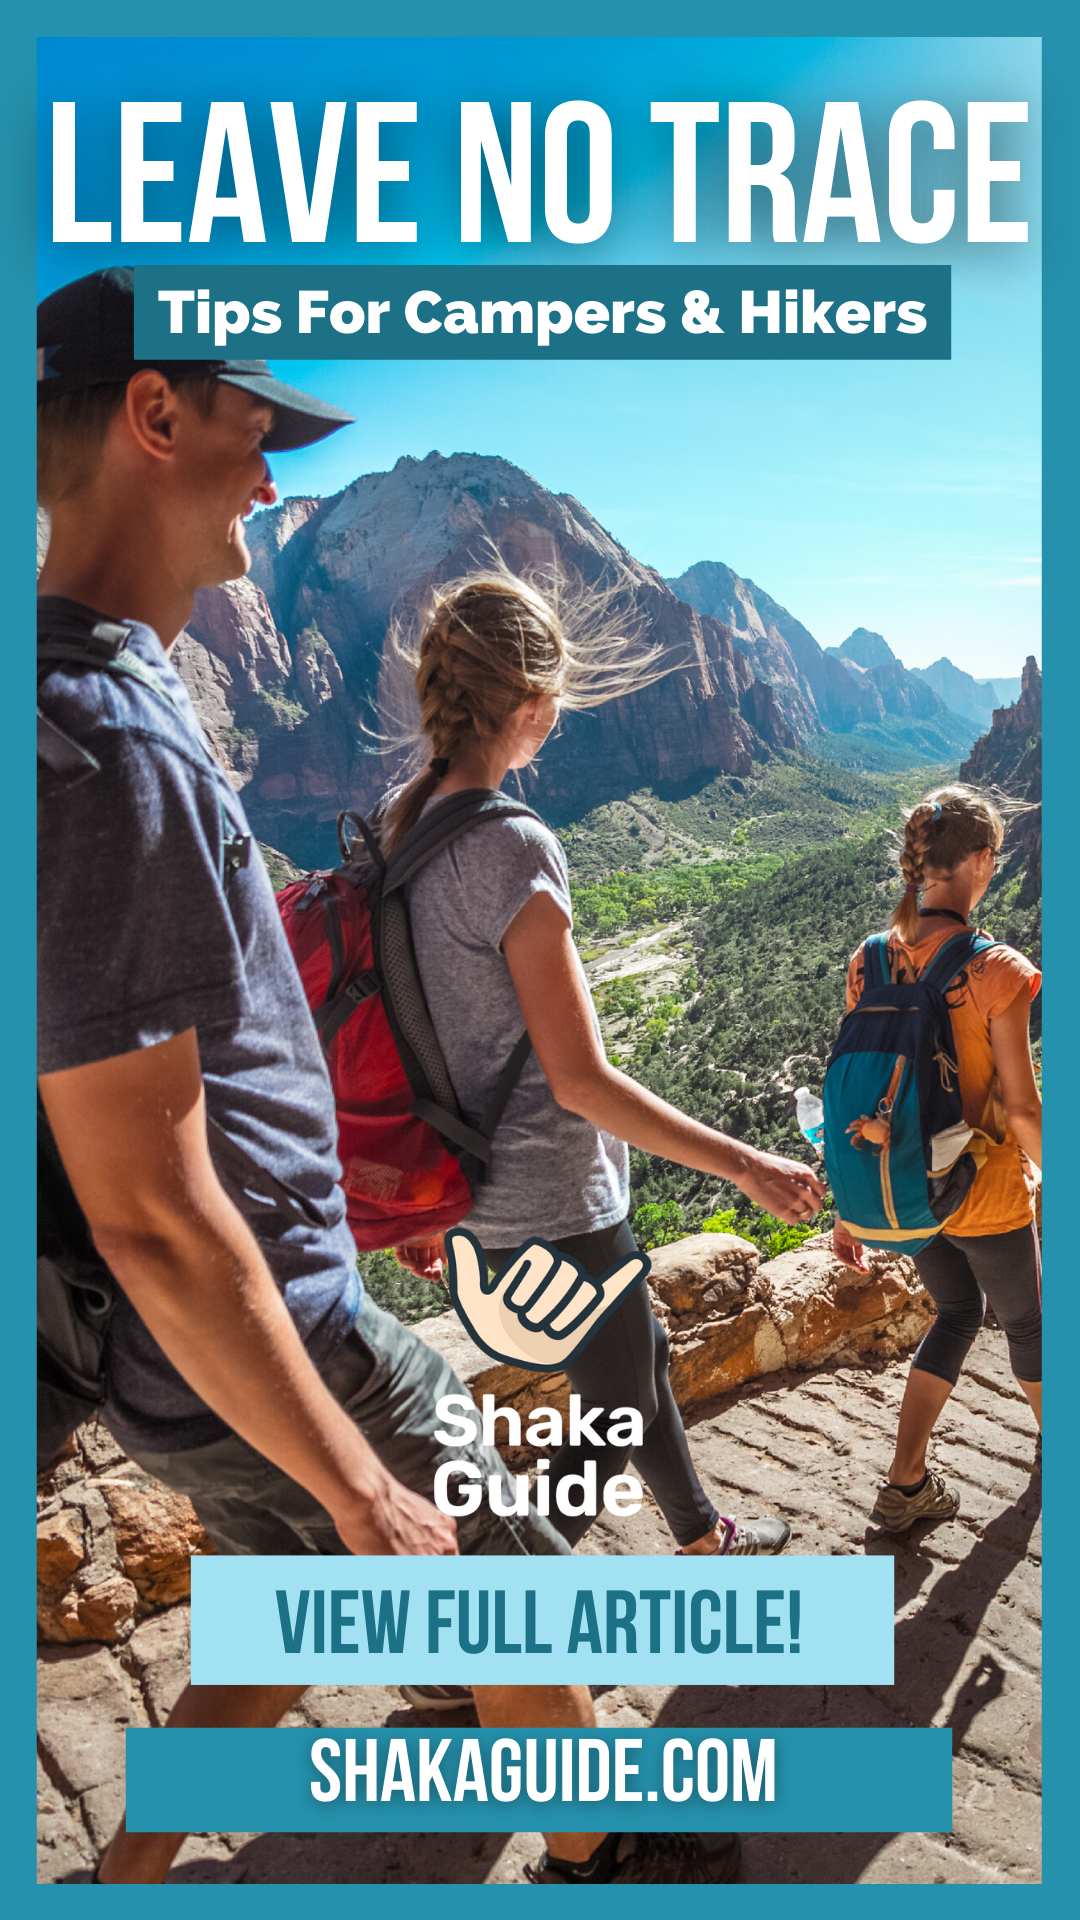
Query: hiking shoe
x=432 y=1699
x=898 y=1511
x=706 y=1858
x=753 y=1536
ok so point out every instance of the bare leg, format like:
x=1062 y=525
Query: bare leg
x=924 y=1397
x=147 y=1857
x=710 y=1542
x=1033 y=1389
x=543 y=1707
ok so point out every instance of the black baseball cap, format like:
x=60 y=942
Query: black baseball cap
x=86 y=338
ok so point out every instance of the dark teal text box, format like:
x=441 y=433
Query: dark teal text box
x=586 y=293
x=824 y=1780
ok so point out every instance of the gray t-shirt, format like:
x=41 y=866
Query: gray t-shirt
x=552 y=1172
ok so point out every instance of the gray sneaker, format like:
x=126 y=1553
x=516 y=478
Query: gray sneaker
x=755 y=1536
x=898 y=1511
x=752 y=1536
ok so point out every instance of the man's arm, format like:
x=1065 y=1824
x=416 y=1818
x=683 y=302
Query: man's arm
x=131 y=1132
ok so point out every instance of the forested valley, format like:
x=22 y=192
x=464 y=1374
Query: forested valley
x=720 y=981
x=715 y=928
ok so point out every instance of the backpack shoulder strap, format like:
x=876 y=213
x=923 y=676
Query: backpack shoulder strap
x=445 y=823
x=70 y=763
x=70 y=646
x=876 y=961
x=957 y=953
x=66 y=760
x=476 y=1141
x=365 y=831
x=104 y=649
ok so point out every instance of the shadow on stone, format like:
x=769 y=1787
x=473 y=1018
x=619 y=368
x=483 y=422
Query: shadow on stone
x=353 y=1858
x=931 y=1646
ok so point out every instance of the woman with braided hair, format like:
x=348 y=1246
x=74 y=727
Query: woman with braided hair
x=491 y=921
x=989 y=1248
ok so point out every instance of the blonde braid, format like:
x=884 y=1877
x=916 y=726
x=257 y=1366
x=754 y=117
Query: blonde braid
x=445 y=716
x=917 y=836
x=941 y=832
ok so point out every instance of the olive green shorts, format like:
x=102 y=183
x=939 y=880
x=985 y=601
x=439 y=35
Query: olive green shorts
x=388 y=1381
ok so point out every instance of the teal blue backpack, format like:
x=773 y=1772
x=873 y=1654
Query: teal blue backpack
x=898 y=1154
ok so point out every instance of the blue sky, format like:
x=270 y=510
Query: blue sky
x=882 y=496
x=901 y=498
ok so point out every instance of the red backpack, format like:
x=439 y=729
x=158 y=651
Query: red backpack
x=410 y=1158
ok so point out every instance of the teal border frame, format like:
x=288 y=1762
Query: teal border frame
x=1057 y=24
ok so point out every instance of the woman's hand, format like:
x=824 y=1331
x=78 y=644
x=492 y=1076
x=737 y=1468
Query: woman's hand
x=850 y=1251
x=787 y=1188
x=425 y=1258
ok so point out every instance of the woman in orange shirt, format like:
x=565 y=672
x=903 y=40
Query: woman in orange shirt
x=989 y=1248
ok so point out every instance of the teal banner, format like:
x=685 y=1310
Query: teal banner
x=643 y=1779
x=375 y=312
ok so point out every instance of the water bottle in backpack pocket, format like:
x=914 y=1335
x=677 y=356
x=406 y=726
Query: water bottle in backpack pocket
x=810 y=1116
x=898 y=1153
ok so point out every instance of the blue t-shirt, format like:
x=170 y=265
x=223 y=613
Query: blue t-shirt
x=149 y=924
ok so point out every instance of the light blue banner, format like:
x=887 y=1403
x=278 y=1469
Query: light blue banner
x=380 y=1621
x=641 y=1779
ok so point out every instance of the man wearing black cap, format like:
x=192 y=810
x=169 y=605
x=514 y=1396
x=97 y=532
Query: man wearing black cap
x=180 y=1069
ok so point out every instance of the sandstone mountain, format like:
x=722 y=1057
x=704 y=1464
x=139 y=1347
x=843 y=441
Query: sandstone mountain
x=975 y=699
x=811 y=688
x=1010 y=757
x=971 y=699
x=860 y=684
x=864 y=649
x=289 y=670
x=290 y=674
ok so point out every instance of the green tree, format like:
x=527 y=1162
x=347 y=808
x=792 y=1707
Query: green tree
x=657 y=1226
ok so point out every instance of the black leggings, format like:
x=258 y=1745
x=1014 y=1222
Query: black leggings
x=626 y=1364
x=961 y=1275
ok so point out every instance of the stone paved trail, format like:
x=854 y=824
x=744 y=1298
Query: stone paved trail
x=810 y=1446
